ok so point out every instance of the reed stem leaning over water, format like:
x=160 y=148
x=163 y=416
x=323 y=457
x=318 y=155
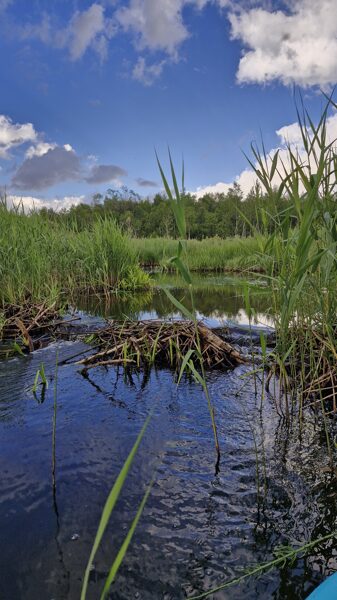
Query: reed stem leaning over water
x=105 y=517
x=180 y=263
x=283 y=555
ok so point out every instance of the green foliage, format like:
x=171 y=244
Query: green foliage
x=300 y=257
x=209 y=254
x=208 y=216
x=105 y=517
x=180 y=262
x=283 y=555
x=303 y=258
x=40 y=378
x=39 y=260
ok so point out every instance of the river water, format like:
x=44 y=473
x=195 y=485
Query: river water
x=199 y=529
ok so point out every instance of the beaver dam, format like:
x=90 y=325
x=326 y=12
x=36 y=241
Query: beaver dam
x=119 y=342
x=158 y=342
x=198 y=529
x=143 y=343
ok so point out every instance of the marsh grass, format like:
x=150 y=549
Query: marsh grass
x=193 y=361
x=301 y=260
x=40 y=260
x=209 y=254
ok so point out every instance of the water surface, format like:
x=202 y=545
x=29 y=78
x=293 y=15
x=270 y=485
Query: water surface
x=198 y=528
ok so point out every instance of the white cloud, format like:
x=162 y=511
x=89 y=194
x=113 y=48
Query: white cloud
x=83 y=30
x=157 y=25
x=14 y=134
x=39 y=149
x=29 y=203
x=86 y=29
x=146 y=73
x=216 y=188
x=42 y=148
x=298 y=46
x=246 y=180
x=41 y=31
x=289 y=134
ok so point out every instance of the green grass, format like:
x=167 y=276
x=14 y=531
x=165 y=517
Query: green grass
x=40 y=260
x=301 y=261
x=210 y=254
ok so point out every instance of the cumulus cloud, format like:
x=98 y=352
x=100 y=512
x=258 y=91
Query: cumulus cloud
x=55 y=166
x=46 y=163
x=39 y=149
x=157 y=25
x=14 y=134
x=146 y=182
x=105 y=174
x=28 y=203
x=288 y=135
x=216 y=188
x=145 y=73
x=298 y=46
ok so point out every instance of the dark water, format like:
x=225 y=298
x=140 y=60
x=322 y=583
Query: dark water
x=198 y=529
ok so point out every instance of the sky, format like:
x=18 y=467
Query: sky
x=90 y=89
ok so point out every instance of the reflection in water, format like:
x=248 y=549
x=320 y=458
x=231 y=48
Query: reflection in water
x=218 y=299
x=197 y=530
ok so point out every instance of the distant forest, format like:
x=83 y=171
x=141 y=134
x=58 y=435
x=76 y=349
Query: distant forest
x=223 y=215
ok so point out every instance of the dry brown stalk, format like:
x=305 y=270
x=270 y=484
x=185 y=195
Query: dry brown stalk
x=146 y=342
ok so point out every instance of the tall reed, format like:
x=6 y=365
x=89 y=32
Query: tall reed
x=209 y=254
x=301 y=258
x=176 y=200
x=40 y=260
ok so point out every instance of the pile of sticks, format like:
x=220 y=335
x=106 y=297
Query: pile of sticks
x=28 y=324
x=166 y=343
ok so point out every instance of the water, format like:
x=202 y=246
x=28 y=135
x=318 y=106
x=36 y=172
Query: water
x=198 y=529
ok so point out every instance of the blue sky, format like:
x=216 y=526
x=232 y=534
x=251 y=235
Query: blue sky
x=89 y=89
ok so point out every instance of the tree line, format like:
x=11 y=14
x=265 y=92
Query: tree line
x=223 y=215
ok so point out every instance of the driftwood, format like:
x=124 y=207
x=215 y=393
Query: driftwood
x=148 y=342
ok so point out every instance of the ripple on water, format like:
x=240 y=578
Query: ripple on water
x=198 y=529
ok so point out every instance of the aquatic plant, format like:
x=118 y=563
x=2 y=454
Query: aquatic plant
x=40 y=261
x=40 y=379
x=301 y=258
x=105 y=517
x=210 y=254
x=179 y=261
x=283 y=555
